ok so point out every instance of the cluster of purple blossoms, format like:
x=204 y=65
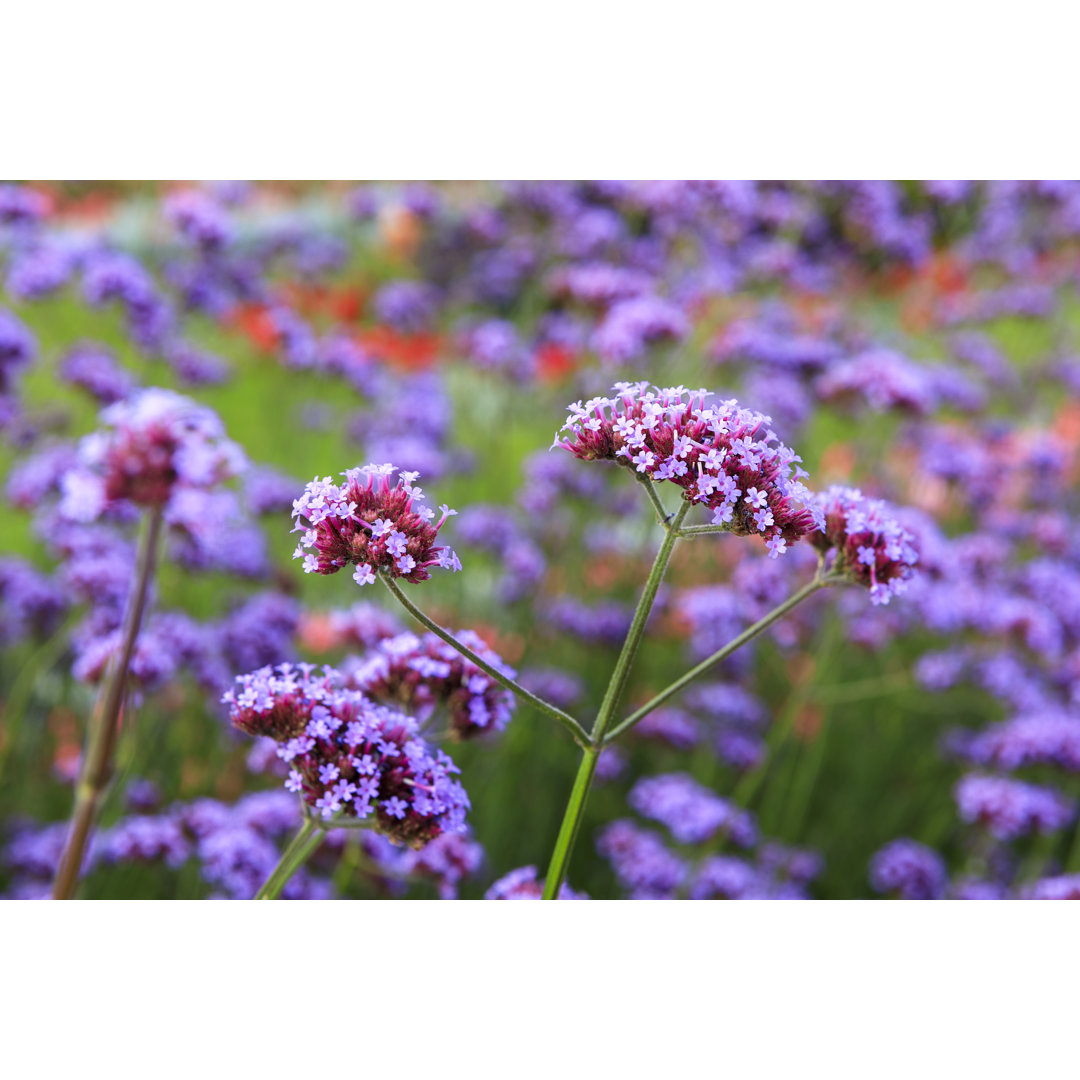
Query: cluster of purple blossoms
x=871 y=547
x=371 y=523
x=423 y=673
x=692 y=813
x=157 y=449
x=1043 y=738
x=95 y=370
x=199 y=218
x=522 y=884
x=1011 y=808
x=722 y=456
x=909 y=871
x=348 y=756
x=642 y=863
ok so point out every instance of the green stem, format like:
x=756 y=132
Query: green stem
x=575 y=807
x=567 y=721
x=736 y=643
x=703 y=530
x=296 y=854
x=662 y=515
x=96 y=768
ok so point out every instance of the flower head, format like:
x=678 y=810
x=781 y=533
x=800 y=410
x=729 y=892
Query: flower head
x=349 y=756
x=722 y=456
x=420 y=673
x=910 y=870
x=871 y=547
x=371 y=523
x=155 y=448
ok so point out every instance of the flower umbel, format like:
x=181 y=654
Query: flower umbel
x=376 y=525
x=422 y=673
x=722 y=456
x=350 y=758
x=872 y=547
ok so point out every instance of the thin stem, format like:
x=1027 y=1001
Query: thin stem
x=663 y=515
x=571 y=824
x=102 y=728
x=295 y=855
x=567 y=721
x=575 y=808
x=689 y=531
x=736 y=643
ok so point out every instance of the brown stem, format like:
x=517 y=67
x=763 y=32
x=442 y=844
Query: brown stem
x=96 y=769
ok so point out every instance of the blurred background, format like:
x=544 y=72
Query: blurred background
x=914 y=339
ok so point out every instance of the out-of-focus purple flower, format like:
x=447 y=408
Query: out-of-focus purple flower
x=20 y=205
x=267 y=491
x=96 y=370
x=630 y=326
x=1066 y=887
x=199 y=218
x=642 y=864
x=909 y=870
x=446 y=861
x=552 y=684
x=692 y=812
x=423 y=673
x=408 y=306
x=1045 y=738
x=674 y=726
x=154 y=447
x=30 y=602
x=1011 y=808
x=522 y=884
x=368 y=522
x=17 y=348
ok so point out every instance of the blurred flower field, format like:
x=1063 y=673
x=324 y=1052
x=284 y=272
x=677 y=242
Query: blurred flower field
x=187 y=358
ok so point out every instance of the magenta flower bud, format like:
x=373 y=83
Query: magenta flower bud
x=372 y=524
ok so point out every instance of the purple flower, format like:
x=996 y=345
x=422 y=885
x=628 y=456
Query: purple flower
x=522 y=884
x=422 y=673
x=909 y=870
x=155 y=448
x=347 y=524
x=329 y=733
x=1011 y=808
x=642 y=864
x=692 y=813
x=714 y=453
x=95 y=370
x=871 y=547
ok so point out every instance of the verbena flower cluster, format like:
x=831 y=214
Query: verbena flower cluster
x=156 y=449
x=422 y=674
x=349 y=757
x=723 y=457
x=866 y=542
x=373 y=524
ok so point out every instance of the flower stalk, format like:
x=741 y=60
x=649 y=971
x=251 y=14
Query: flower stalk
x=575 y=809
x=102 y=729
x=567 y=721
x=303 y=844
